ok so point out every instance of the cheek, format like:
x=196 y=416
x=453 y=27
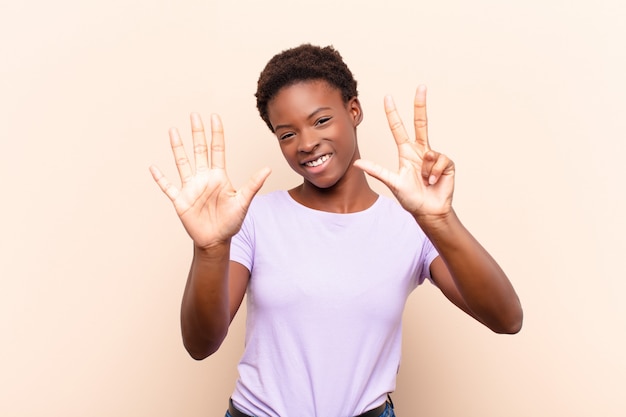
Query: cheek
x=350 y=141
x=288 y=154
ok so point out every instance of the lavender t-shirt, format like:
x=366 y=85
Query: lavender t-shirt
x=324 y=305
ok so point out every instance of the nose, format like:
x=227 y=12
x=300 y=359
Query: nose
x=308 y=142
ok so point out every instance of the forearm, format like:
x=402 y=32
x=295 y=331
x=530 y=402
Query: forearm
x=483 y=285
x=205 y=313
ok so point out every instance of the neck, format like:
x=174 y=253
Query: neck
x=351 y=194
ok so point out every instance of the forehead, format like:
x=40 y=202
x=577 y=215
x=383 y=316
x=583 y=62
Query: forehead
x=302 y=98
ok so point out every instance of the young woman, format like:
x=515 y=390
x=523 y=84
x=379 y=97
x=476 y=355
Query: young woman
x=327 y=265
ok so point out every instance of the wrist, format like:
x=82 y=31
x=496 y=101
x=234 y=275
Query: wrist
x=436 y=223
x=213 y=250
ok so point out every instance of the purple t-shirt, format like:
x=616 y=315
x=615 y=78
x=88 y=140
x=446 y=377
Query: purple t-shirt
x=324 y=304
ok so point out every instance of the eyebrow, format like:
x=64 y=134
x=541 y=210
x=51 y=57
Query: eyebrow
x=308 y=117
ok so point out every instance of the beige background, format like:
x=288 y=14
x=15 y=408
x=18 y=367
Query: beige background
x=528 y=98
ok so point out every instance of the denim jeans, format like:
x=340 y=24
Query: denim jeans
x=387 y=413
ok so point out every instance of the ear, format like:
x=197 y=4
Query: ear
x=354 y=107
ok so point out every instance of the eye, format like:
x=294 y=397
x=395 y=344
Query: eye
x=322 y=120
x=285 y=136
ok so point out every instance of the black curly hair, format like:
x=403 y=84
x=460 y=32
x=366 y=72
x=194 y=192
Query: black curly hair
x=302 y=63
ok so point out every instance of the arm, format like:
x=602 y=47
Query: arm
x=211 y=211
x=424 y=185
x=213 y=293
x=470 y=278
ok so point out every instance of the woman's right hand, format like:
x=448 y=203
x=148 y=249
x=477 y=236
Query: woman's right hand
x=211 y=210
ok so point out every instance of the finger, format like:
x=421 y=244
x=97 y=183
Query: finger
x=395 y=122
x=435 y=165
x=164 y=184
x=218 y=155
x=254 y=185
x=379 y=172
x=201 y=156
x=180 y=156
x=420 y=119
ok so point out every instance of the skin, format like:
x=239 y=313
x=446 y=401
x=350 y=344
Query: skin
x=310 y=119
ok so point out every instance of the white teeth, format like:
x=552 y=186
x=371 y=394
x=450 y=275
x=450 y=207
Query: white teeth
x=318 y=161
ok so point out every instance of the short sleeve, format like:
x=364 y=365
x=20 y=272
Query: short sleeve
x=242 y=244
x=428 y=255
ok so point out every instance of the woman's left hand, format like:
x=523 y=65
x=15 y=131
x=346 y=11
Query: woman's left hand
x=424 y=182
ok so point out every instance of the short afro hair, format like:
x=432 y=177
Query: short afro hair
x=303 y=63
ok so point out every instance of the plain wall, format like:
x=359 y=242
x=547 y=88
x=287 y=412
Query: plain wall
x=528 y=98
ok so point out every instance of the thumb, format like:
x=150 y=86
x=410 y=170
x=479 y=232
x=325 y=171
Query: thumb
x=254 y=184
x=377 y=171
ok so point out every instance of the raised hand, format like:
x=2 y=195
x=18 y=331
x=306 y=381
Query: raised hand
x=424 y=182
x=211 y=210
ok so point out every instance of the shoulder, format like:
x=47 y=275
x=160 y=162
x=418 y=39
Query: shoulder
x=390 y=204
x=395 y=220
x=270 y=208
x=269 y=200
x=392 y=210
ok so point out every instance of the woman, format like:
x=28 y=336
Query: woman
x=327 y=265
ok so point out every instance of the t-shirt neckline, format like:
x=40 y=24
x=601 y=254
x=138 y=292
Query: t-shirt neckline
x=301 y=206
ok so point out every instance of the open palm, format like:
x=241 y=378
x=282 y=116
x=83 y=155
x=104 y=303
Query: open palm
x=210 y=209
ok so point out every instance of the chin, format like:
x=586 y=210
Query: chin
x=322 y=185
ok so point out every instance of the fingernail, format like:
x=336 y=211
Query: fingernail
x=432 y=180
x=195 y=118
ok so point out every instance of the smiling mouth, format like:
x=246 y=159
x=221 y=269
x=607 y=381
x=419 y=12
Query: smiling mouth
x=319 y=161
